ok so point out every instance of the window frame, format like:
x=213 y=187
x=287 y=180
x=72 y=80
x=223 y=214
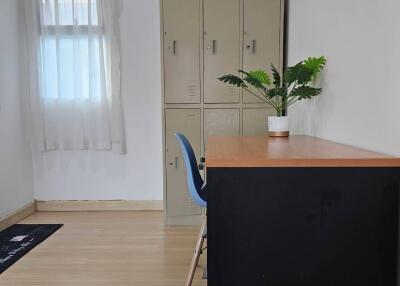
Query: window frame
x=79 y=30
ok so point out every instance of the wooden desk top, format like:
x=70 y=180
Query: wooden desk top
x=295 y=151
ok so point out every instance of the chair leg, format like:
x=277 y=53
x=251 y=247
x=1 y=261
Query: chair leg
x=197 y=251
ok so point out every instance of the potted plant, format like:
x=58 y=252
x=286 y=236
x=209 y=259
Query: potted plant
x=282 y=91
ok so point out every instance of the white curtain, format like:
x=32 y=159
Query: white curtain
x=73 y=50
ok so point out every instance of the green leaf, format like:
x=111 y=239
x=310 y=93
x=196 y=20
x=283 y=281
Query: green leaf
x=315 y=65
x=252 y=80
x=298 y=73
x=305 y=92
x=232 y=79
x=244 y=72
x=273 y=92
x=276 y=76
x=296 y=78
x=261 y=76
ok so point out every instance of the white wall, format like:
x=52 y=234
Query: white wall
x=136 y=175
x=15 y=159
x=361 y=100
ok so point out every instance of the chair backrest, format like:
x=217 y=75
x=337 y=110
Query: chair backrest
x=194 y=180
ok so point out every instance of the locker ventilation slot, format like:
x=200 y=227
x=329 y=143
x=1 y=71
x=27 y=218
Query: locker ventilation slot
x=231 y=91
x=192 y=90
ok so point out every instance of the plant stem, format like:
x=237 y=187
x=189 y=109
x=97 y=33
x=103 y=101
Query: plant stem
x=262 y=98
x=294 y=101
x=284 y=100
x=293 y=88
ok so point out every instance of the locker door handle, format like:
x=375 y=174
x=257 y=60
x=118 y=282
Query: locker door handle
x=174 y=47
x=253 y=46
x=214 y=47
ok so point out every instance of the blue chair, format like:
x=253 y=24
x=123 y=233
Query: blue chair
x=198 y=192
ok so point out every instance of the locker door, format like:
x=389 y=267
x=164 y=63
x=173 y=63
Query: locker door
x=187 y=122
x=221 y=49
x=181 y=51
x=262 y=28
x=221 y=122
x=255 y=121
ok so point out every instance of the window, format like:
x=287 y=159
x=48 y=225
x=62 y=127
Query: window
x=74 y=74
x=71 y=50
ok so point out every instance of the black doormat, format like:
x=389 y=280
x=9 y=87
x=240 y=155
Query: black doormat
x=19 y=239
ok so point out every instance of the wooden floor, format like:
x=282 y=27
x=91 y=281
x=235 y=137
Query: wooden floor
x=107 y=248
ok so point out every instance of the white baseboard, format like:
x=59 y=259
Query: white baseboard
x=84 y=206
x=17 y=216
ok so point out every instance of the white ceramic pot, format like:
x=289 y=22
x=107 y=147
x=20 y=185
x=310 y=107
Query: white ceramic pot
x=278 y=126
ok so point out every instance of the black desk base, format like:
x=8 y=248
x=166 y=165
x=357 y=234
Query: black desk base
x=302 y=226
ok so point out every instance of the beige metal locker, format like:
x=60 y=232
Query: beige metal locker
x=186 y=121
x=255 y=121
x=182 y=51
x=203 y=40
x=221 y=49
x=221 y=122
x=261 y=37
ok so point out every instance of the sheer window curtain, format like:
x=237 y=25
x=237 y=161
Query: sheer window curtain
x=73 y=50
